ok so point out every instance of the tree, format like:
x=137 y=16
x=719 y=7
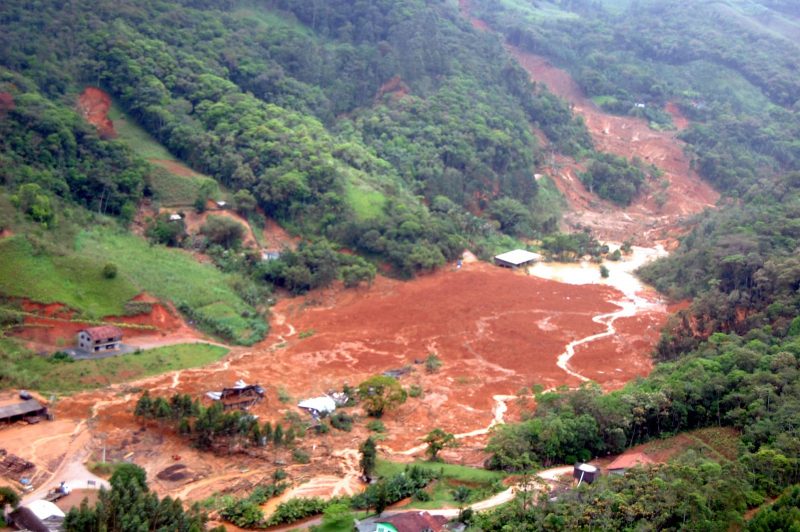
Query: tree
x=380 y=393
x=604 y=273
x=438 y=439
x=8 y=497
x=368 y=457
x=337 y=516
x=223 y=231
x=244 y=202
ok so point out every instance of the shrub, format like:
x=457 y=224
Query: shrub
x=300 y=456
x=342 y=421
x=415 y=391
x=110 y=270
x=376 y=425
x=433 y=363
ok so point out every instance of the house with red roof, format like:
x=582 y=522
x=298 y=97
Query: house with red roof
x=627 y=461
x=100 y=339
x=411 y=522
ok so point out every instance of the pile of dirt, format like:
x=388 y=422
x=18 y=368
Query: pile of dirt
x=93 y=104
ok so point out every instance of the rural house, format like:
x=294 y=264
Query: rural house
x=405 y=522
x=516 y=258
x=97 y=339
x=242 y=396
x=627 y=461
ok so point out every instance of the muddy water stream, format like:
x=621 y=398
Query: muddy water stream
x=637 y=297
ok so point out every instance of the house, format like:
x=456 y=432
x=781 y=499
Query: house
x=627 y=461
x=221 y=204
x=516 y=258
x=411 y=522
x=585 y=473
x=318 y=406
x=30 y=409
x=98 y=339
x=242 y=396
x=38 y=516
x=175 y=217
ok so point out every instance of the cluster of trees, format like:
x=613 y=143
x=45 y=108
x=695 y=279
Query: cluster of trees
x=130 y=505
x=734 y=77
x=614 y=178
x=246 y=512
x=48 y=151
x=749 y=384
x=313 y=265
x=739 y=264
x=210 y=427
x=292 y=111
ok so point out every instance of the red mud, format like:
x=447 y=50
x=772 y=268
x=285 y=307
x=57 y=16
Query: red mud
x=395 y=87
x=94 y=103
x=496 y=331
x=680 y=121
x=655 y=215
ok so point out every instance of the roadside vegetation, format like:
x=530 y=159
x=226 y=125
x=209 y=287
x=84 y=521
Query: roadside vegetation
x=60 y=374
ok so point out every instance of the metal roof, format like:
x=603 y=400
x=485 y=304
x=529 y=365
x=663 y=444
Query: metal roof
x=20 y=409
x=44 y=509
x=586 y=468
x=320 y=404
x=517 y=257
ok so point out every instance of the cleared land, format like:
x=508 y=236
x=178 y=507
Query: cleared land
x=52 y=376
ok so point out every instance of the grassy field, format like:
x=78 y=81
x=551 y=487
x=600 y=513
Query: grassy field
x=137 y=138
x=481 y=482
x=172 y=190
x=71 y=279
x=179 y=191
x=366 y=203
x=175 y=276
x=25 y=369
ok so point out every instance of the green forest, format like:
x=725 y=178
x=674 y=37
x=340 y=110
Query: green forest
x=390 y=136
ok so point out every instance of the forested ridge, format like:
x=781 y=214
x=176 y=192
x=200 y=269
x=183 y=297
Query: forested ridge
x=285 y=99
x=729 y=360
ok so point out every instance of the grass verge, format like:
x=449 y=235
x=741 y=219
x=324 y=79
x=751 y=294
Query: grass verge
x=25 y=369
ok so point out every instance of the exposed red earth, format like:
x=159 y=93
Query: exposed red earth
x=94 y=103
x=654 y=216
x=497 y=332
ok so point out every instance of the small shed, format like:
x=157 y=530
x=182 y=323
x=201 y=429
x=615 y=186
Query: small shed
x=99 y=339
x=585 y=473
x=242 y=396
x=175 y=217
x=318 y=406
x=627 y=461
x=516 y=258
x=22 y=410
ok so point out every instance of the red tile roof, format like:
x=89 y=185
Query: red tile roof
x=626 y=461
x=416 y=522
x=104 y=331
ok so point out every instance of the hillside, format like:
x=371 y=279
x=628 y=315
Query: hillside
x=314 y=189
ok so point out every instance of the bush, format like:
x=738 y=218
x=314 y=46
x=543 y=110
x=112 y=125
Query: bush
x=300 y=456
x=296 y=509
x=376 y=425
x=110 y=270
x=433 y=363
x=61 y=356
x=415 y=391
x=342 y=421
x=422 y=496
